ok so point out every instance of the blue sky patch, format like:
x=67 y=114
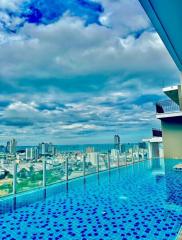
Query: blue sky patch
x=50 y=11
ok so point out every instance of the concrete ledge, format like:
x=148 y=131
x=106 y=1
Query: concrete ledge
x=170 y=88
x=169 y=115
x=178 y=167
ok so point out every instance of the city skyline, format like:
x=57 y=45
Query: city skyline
x=79 y=73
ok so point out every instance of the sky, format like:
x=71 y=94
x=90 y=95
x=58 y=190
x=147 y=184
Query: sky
x=79 y=71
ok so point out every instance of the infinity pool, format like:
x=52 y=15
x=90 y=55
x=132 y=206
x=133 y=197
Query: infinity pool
x=141 y=201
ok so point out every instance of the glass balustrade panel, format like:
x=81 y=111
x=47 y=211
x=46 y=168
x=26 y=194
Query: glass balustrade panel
x=75 y=166
x=6 y=177
x=91 y=162
x=29 y=176
x=103 y=161
x=56 y=170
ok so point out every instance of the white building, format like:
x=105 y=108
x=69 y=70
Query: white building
x=115 y=153
x=92 y=157
x=31 y=153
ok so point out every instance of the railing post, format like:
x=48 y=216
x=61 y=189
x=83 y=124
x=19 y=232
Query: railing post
x=132 y=155
x=14 y=177
x=97 y=162
x=44 y=172
x=138 y=154
x=143 y=154
x=109 y=161
x=84 y=161
x=66 y=169
x=125 y=158
x=118 y=159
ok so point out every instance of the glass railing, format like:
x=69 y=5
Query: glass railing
x=167 y=106
x=114 y=160
x=55 y=171
x=28 y=176
x=6 y=178
x=122 y=159
x=103 y=162
x=18 y=176
x=129 y=154
x=91 y=163
x=75 y=166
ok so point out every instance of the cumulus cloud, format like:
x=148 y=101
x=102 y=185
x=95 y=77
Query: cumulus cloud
x=124 y=16
x=69 y=50
x=12 y=5
x=68 y=82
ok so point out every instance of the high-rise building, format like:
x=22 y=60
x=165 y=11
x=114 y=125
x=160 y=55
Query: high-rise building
x=117 y=143
x=31 y=153
x=42 y=148
x=2 y=149
x=51 y=150
x=8 y=147
x=11 y=146
x=93 y=157
x=46 y=149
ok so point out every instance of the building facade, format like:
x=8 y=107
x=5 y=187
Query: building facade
x=166 y=18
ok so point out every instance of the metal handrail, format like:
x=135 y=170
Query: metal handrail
x=167 y=106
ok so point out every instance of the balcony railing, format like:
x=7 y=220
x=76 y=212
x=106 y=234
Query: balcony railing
x=18 y=176
x=167 y=106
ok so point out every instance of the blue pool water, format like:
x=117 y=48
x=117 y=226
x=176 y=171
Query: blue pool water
x=142 y=201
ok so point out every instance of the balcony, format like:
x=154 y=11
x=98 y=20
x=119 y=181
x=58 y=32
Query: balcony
x=167 y=108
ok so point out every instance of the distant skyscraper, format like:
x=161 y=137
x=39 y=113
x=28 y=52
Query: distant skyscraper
x=8 y=147
x=2 y=149
x=46 y=149
x=11 y=146
x=117 y=143
x=51 y=149
x=31 y=153
x=42 y=148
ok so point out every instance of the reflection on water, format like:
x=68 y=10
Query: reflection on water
x=173 y=182
x=163 y=170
